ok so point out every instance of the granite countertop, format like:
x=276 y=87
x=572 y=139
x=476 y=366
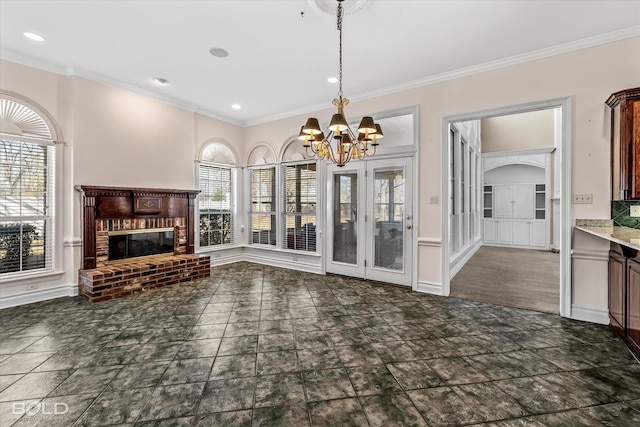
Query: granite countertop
x=605 y=229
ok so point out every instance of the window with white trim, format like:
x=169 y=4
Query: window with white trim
x=27 y=192
x=215 y=203
x=299 y=182
x=262 y=211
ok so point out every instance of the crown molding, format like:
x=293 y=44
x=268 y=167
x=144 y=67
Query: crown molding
x=601 y=39
x=107 y=81
x=613 y=36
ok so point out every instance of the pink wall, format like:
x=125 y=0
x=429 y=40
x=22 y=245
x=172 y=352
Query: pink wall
x=154 y=144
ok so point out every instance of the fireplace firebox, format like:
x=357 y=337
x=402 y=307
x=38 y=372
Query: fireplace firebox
x=125 y=244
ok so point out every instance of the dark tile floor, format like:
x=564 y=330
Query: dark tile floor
x=262 y=346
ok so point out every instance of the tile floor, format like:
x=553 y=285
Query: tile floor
x=262 y=346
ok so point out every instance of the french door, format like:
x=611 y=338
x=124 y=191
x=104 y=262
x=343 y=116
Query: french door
x=370 y=220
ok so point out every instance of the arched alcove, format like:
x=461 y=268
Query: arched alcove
x=294 y=151
x=217 y=151
x=261 y=154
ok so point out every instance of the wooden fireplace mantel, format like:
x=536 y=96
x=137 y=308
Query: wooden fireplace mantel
x=105 y=203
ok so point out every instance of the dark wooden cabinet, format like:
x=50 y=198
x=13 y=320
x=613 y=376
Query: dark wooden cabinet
x=625 y=144
x=624 y=295
x=633 y=305
x=617 y=301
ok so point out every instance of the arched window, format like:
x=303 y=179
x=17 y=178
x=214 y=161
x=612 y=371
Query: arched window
x=27 y=188
x=217 y=200
x=262 y=197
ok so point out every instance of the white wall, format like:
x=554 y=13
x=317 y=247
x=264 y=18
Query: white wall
x=117 y=123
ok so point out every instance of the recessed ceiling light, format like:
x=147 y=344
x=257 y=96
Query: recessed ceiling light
x=33 y=36
x=218 y=52
x=160 y=81
x=236 y=106
x=332 y=80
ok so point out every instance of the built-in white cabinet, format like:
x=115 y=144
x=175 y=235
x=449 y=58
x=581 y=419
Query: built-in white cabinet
x=516 y=200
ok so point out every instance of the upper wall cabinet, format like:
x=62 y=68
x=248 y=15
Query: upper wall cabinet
x=625 y=144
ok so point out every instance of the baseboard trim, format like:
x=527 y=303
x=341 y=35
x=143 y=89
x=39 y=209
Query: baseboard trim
x=69 y=290
x=587 y=314
x=282 y=263
x=464 y=258
x=429 y=288
x=215 y=262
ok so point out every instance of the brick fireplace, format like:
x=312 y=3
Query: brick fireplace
x=149 y=234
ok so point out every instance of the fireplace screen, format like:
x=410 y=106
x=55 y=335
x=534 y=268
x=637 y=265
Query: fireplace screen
x=135 y=243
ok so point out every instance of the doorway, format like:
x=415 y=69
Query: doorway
x=561 y=199
x=370 y=220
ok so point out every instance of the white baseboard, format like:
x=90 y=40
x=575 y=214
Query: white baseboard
x=283 y=263
x=222 y=260
x=429 y=288
x=587 y=314
x=69 y=290
x=463 y=259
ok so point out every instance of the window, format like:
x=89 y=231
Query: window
x=27 y=190
x=216 y=185
x=262 y=213
x=300 y=197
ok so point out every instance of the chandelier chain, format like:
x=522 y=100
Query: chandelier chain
x=339 y=24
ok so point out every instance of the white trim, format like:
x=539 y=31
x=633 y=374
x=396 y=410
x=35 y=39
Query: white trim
x=68 y=290
x=601 y=39
x=222 y=260
x=587 y=314
x=590 y=254
x=429 y=288
x=430 y=241
x=519 y=152
x=283 y=263
x=463 y=258
x=613 y=36
x=72 y=242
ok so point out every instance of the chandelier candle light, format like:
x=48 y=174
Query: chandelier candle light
x=348 y=146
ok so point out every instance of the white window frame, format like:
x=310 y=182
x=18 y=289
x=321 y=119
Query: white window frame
x=272 y=233
x=232 y=211
x=21 y=207
x=286 y=214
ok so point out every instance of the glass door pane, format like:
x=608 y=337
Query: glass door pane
x=345 y=211
x=389 y=209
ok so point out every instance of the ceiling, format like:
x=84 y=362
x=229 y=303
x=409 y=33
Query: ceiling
x=282 y=52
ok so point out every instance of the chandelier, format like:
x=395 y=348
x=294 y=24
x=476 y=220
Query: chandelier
x=348 y=146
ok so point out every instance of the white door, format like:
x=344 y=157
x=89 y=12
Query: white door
x=503 y=201
x=490 y=231
x=538 y=234
x=505 y=232
x=523 y=198
x=521 y=231
x=370 y=220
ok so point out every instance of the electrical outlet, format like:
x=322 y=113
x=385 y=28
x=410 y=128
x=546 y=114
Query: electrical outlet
x=433 y=200
x=634 y=211
x=583 y=198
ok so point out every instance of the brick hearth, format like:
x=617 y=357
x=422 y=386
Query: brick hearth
x=119 y=279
